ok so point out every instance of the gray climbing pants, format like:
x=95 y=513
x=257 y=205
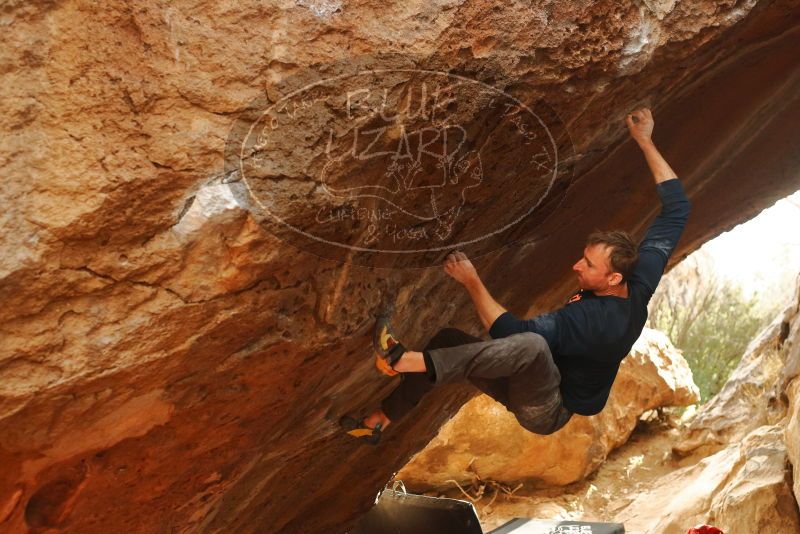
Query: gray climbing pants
x=517 y=371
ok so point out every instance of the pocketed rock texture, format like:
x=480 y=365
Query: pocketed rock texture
x=170 y=362
x=484 y=440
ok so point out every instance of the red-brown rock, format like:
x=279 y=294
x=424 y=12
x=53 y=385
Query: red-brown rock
x=168 y=364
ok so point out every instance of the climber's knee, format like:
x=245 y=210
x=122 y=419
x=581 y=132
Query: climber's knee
x=544 y=424
x=542 y=428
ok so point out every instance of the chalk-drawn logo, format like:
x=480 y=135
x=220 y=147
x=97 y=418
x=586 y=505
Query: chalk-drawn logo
x=398 y=166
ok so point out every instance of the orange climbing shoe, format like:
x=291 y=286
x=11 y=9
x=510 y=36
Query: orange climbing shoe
x=358 y=429
x=387 y=348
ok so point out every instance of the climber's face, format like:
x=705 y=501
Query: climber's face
x=594 y=268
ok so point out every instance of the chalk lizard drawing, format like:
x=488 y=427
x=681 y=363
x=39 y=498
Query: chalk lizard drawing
x=406 y=178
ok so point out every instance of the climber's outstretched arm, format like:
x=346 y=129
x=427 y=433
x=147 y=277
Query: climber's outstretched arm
x=665 y=231
x=459 y=267
x=641 y=132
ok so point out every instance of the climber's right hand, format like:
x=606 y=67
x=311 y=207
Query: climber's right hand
x=642 y=129
x=459 y=267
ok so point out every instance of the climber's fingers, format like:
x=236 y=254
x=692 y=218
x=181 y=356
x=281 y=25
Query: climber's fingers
x=449 y=261
x=640 y=115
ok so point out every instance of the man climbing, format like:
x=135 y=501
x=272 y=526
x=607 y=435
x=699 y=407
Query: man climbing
x=552 y=366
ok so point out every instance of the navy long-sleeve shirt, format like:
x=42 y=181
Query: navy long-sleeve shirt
x=591 y=334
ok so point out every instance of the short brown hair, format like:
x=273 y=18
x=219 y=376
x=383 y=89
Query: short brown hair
x=624 y=252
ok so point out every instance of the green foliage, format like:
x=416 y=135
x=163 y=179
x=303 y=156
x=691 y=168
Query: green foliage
x=709 y=319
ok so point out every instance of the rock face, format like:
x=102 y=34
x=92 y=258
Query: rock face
x=169 y=361
x=749 y=399
x=485 y=440
x=743 y=488
x=746 y=437
x=789 y=384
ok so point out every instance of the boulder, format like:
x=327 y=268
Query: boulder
x=791 y=434
x=750 y=397
x=790 y=384
x=743 y=488
x=741 y=447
